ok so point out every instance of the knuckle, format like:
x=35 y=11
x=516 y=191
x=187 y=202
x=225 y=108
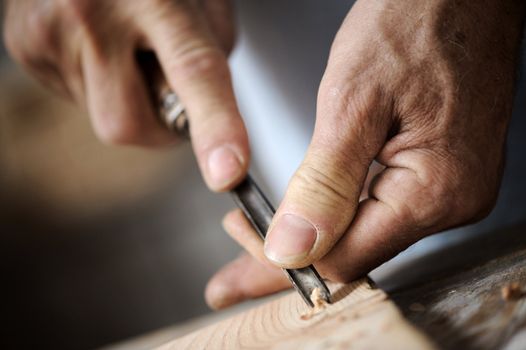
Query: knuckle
x=350 y=102
x=458 y=196
x=341 y=104
x=354 y=114
x=198 y=61
x=40 y=31
x=427 y=197
x=437 y=200
x=79 y=11
x=328 y=187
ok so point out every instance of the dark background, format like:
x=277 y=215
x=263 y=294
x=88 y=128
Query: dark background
x=97 y=243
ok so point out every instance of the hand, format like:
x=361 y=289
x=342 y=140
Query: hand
x=87 y=49
x=425 y=88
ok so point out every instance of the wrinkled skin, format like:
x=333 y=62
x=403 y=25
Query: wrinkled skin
x=424 y=88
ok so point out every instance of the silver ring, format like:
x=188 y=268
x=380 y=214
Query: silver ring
x=173 y=113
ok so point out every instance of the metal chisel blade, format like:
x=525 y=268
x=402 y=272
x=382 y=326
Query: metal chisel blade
x=251 y=200
x=259 y=212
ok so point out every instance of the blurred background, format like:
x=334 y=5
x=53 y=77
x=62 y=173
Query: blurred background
x=101 y=243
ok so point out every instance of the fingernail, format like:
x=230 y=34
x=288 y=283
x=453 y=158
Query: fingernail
x=290 y=239
x=224 y=166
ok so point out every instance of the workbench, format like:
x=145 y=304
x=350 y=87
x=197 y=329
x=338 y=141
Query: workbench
x=453 y=296
x=461 y=306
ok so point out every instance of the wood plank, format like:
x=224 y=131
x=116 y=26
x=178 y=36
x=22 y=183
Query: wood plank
x=360 y=317
x=452 y=294
x=466 y=310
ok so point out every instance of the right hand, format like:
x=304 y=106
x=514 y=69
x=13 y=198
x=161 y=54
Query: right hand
x=425 y=88
x=87 y=49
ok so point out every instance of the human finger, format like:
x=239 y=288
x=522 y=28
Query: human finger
x=242 y=279
x=196 y=68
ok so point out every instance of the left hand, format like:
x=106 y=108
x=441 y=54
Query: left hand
x=92 y=51
x=425 y=88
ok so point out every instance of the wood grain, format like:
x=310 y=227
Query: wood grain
x=360 y=317
x=466 y=310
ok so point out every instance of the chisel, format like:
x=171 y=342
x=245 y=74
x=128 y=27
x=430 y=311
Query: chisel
x=250 y=199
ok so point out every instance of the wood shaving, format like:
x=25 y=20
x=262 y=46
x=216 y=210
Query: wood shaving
x=512 y=291
x=319 y=305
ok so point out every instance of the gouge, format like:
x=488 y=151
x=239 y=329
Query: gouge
x=250 y=199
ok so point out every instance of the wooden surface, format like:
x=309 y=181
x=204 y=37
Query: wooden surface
x=465 y=309
x=361 y=317
x=452 y=295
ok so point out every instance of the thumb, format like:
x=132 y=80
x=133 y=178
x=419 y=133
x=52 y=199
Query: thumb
x=323 y=194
